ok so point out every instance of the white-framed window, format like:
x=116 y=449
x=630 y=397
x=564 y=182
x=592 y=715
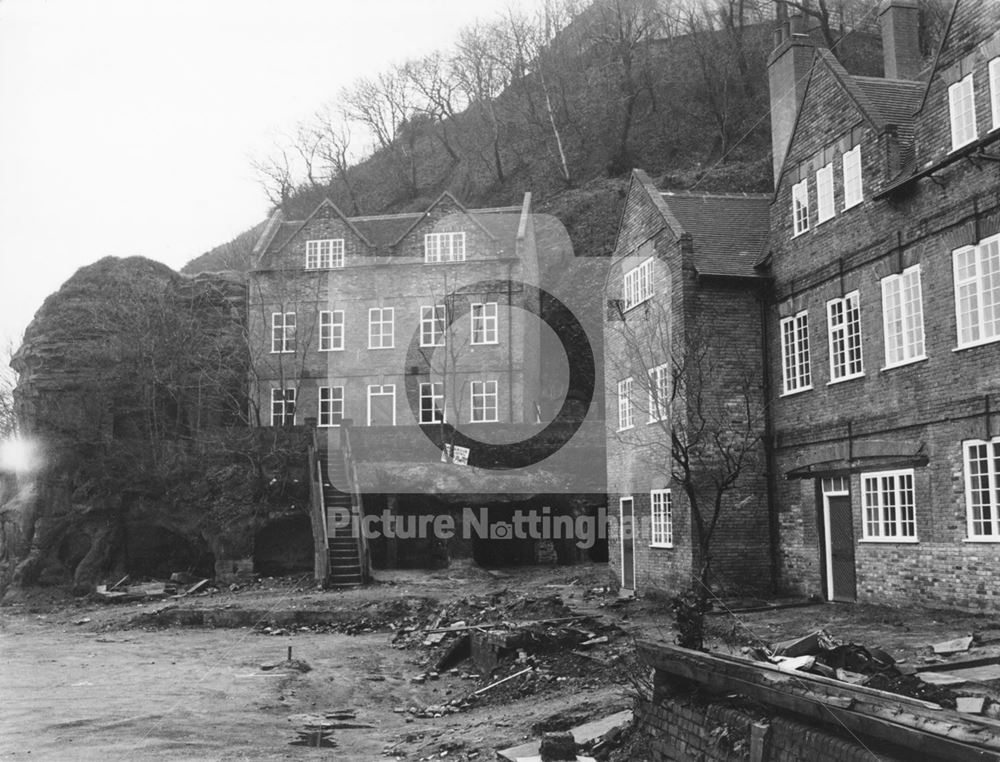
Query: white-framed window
x=282 y=407
x=484 y=402
x=282 y=332
x=962 y=108
x=484 y=323
x=638 y=284
x=331 y=405
x=432 y=402
x=800 y=207
x=432 y=325
x=324 y=254
x=444 y=247
x=844 y=323
x=903 y=317
x=825 y=207
x=331 y=330
x=853 y=191
x=381 y=328
x=662 y=518
x=659 y=392
x=888 y=506
x=381 y=404
x=977 y=292
x=982 y=488
x=994 y=73
x=795 y=368
x=625 y=404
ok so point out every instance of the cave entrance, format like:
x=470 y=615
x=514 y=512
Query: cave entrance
x=284 y=546
x=157 y=552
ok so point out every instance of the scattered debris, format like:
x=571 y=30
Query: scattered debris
x=970 y=704
x=953 y=646
x=593 y=737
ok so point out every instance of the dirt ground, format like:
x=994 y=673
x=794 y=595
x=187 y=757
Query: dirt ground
x=84 y=680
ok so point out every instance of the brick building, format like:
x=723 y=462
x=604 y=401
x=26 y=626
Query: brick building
x=343 y=310
x=884 y=338
x=683 y=361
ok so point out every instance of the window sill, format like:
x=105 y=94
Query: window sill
x=845 y=378
x=391 y=346
x=825 y=219
x=800 y=233
x=627 y=428
x=333 y=349
x=856 y=203
x=963 y=145
x=973 y=344
x=889 y=541
x=483 y=344
x=627 y=310
x=490 y=420
x=903 y=364
x=322 y=269
x=664 y=545
x=431 y=346
x=983 y=540
x=282 y=351
x=796 y=391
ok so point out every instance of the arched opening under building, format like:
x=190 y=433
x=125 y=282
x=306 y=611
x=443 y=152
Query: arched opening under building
x=284 y=546
x=157 y=552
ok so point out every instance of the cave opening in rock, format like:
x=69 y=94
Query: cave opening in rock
x=284 y=546
x=157 y=552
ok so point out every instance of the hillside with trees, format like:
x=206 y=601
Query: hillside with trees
x=564 y=98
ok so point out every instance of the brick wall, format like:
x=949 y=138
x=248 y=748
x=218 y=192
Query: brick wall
x=933 y=404
x=718 y=320
x=684 y=729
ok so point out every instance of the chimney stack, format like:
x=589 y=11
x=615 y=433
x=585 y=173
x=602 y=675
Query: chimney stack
x=900 y=38
x=787 y=73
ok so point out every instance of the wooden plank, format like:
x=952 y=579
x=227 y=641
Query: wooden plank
x=941 y=733
x=735 y=664
x=948 y=666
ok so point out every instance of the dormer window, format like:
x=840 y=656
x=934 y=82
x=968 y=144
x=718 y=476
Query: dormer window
x=325 y=254
x=962 y=107
x=853 y=193
x=800 y=207
x=444 y=247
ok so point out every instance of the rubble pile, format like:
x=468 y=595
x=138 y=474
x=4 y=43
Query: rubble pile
x=971 y=686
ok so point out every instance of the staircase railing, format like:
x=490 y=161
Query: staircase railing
x=317 y=514
x=357 y=505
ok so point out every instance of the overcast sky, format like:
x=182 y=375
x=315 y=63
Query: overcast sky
x=126 y=128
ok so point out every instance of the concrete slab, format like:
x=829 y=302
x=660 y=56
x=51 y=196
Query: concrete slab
x=583 y=734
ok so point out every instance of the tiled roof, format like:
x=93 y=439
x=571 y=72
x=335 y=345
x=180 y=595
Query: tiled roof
x=385 y=230
x=893 y=101
x=729 y=231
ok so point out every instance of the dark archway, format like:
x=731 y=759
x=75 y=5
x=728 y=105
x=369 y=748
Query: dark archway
x=284 y=546
x=155 y=551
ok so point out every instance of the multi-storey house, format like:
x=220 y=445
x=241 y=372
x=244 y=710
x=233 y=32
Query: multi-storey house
x=685 y=390
x=343 y=310
x=884 y=340
x=401 y=328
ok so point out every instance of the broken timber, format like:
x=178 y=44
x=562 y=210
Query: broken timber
x=920 y=726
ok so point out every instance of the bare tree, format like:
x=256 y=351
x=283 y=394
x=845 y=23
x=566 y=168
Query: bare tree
x=705 y=411
x=439 y=96
x=8 y=380
x=622 y=32
x=385 y=106
x=482 y=78
x=334 y=129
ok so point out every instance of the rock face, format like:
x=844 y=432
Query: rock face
x=133 y=386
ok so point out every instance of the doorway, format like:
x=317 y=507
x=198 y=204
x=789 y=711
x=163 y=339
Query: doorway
x=627 y=536
x=838 y=540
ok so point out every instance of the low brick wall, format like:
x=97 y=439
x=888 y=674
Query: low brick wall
x=687 y=728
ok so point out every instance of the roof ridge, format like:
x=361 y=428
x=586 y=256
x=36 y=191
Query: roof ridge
x=399 y=216
x=888 y=81
x=715 y=194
